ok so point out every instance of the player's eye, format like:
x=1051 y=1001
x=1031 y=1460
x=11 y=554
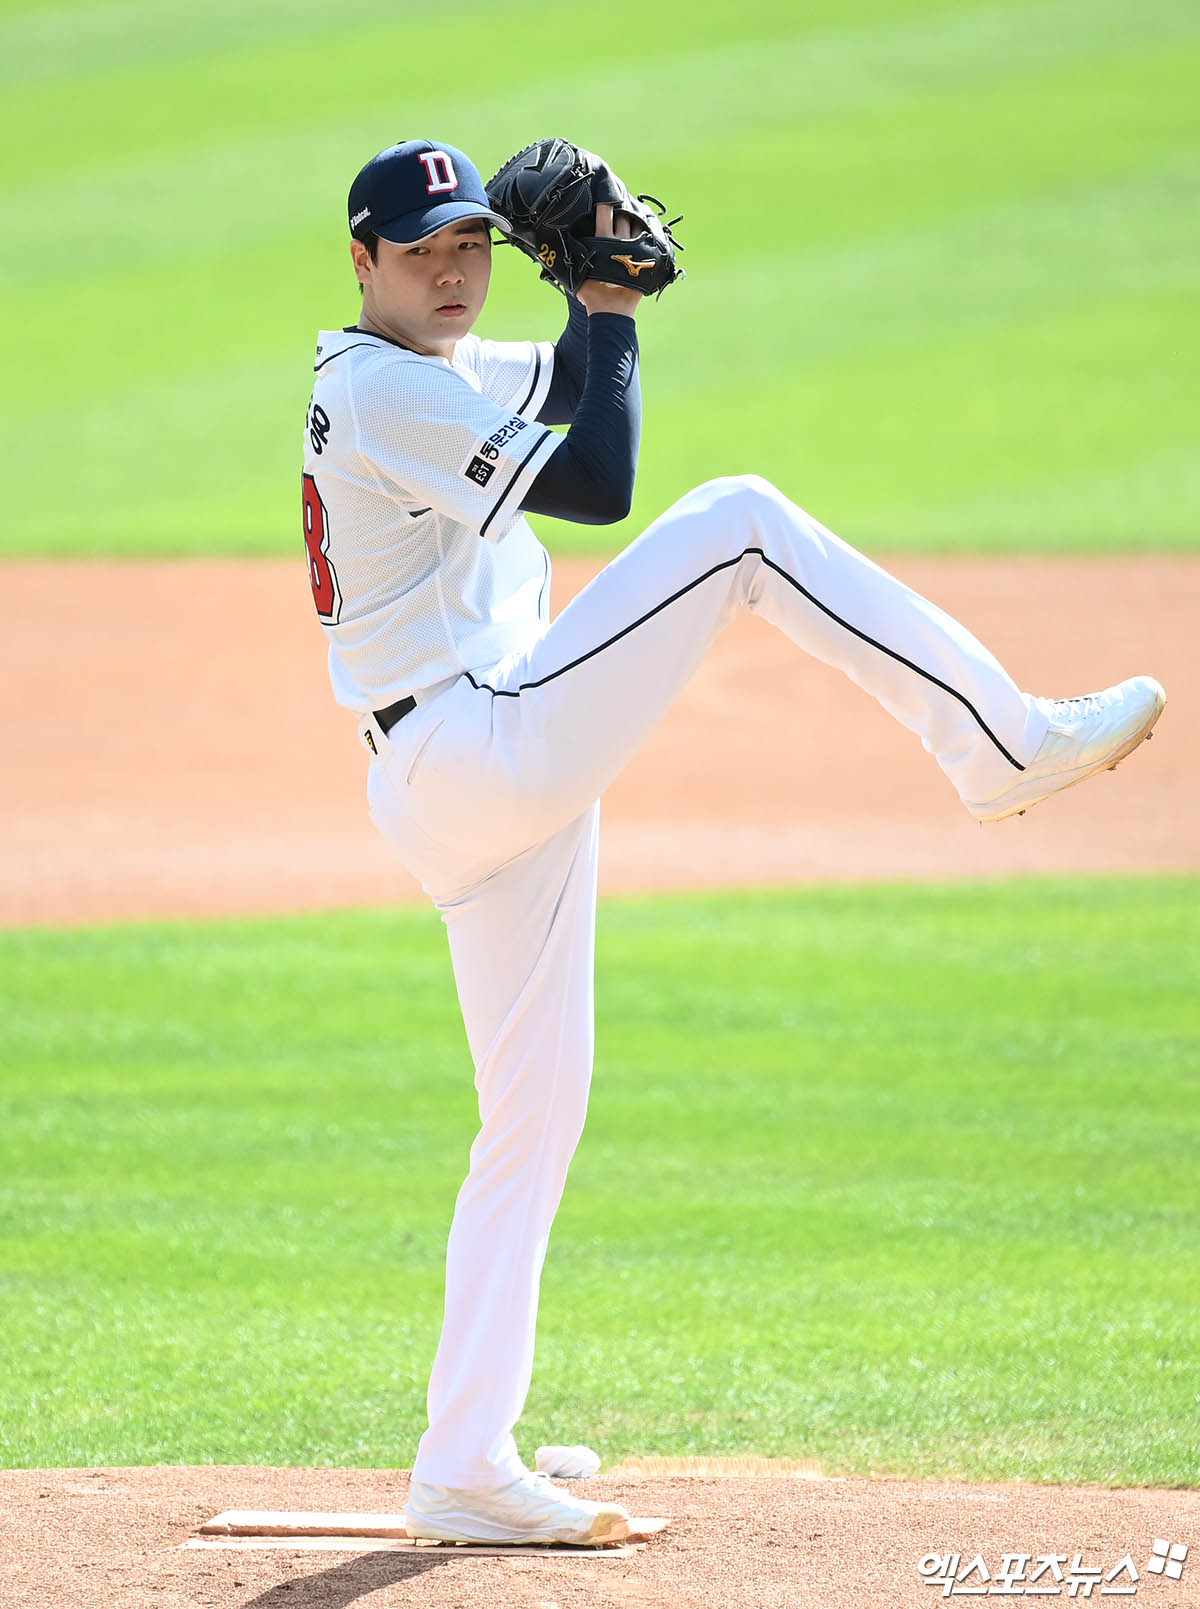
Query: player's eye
x=414 y=251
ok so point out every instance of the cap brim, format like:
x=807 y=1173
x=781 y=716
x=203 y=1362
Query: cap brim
x=413 y=226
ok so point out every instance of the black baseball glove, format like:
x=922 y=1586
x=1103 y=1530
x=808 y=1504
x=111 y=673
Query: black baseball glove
x=549 y=193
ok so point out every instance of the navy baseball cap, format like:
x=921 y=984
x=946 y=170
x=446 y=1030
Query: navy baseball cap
x=414 y=188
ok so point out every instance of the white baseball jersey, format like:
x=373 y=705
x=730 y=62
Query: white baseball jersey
x=422 y=565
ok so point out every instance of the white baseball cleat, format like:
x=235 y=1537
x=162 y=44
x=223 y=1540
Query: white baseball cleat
x=1086 y=735
x=530 y=1509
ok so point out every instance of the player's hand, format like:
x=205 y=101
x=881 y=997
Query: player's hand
x=595 y=294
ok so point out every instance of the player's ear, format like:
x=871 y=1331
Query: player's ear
x=361 y=259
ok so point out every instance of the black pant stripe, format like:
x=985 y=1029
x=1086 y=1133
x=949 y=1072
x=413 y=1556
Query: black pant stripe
x=727 y=564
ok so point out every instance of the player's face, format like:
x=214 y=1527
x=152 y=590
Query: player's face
x=429 y=294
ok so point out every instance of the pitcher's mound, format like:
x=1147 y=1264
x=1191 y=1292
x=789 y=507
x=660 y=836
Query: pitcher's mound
x=117 y=1537
x=366 y=1533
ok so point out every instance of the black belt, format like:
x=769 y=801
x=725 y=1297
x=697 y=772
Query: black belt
x=395 y=712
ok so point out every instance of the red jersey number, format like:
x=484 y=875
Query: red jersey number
x=326 y=593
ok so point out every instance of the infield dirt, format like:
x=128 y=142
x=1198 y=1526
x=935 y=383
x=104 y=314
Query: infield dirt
x=78 y=1538
x=172 y=747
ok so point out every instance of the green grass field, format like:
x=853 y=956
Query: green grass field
x=903 y=1179
x=943 y=257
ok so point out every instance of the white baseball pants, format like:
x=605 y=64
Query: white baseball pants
x=489 y=791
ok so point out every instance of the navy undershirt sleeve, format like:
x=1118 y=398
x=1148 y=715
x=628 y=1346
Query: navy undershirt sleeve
x=569 y=368
x=589 y=477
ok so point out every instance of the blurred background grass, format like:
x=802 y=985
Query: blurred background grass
x=897 y=1178
x=943 y=258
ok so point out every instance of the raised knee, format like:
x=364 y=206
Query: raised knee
x=752 y=488
x=730 y=503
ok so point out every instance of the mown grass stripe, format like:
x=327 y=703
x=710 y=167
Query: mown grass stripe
x=897 y=1178
x=875 y=200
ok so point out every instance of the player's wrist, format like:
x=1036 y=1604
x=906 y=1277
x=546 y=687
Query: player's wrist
x=599 y=297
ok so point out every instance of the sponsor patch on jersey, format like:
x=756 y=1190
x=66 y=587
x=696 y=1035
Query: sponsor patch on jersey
x=485 y=455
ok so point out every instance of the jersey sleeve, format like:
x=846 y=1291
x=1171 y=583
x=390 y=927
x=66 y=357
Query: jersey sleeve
x=515 y=374
x=433 y=441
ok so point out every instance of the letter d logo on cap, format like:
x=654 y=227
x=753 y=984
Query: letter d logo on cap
x=440 y=170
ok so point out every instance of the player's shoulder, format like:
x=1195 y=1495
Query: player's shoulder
x=351 y=350
x=468 y=350
x=368 y=365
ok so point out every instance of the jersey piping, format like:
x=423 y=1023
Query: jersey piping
x=514 y=481
x=341 y=352
x=533 y=384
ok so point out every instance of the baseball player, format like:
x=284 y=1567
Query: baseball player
x=492 y=733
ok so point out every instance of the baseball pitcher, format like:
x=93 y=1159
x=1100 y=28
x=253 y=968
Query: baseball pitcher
x=491 y=732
